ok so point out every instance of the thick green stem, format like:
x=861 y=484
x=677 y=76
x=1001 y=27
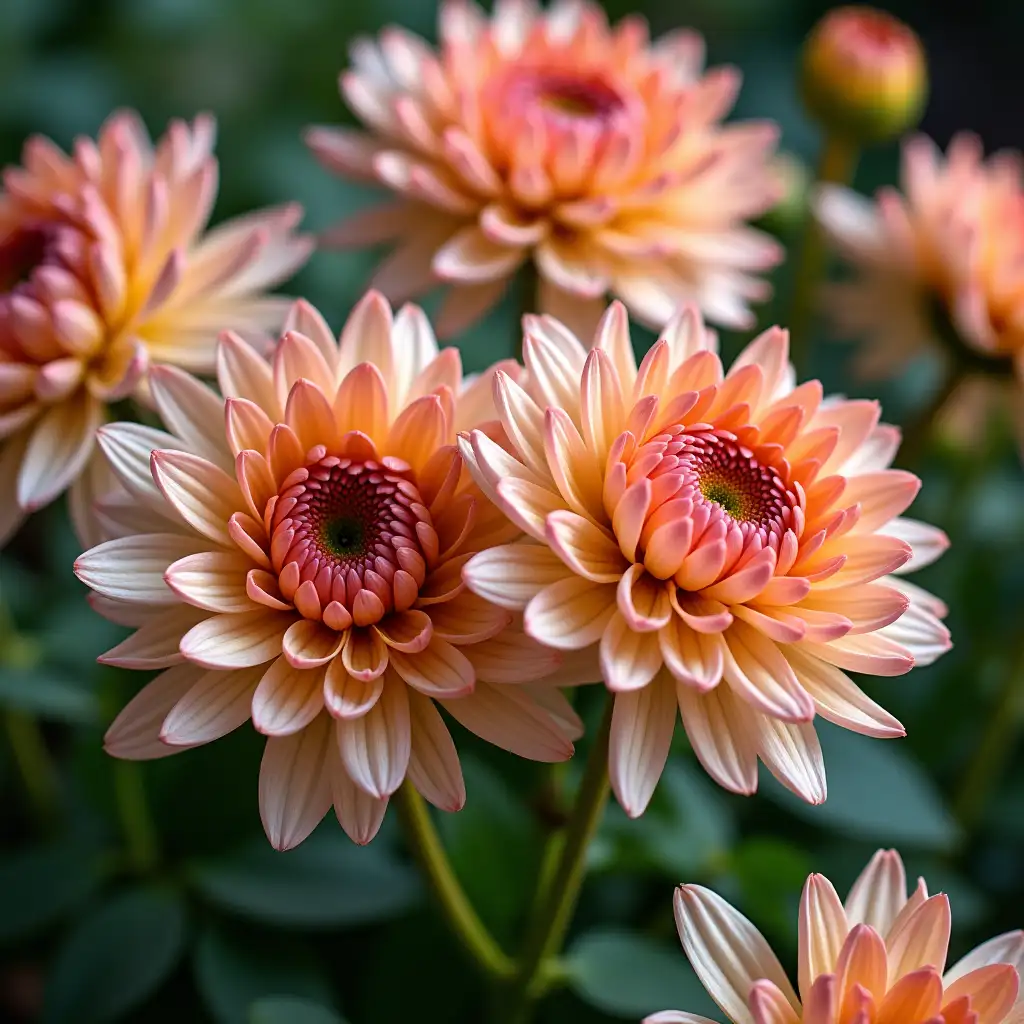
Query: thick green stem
x=560 y=891
x=836 y=166
x=462 y=918
x=529 y=302
x=139 y=832
x=991 y=754
x=34 y=766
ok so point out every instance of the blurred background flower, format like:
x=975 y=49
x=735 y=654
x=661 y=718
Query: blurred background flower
x=192 y=916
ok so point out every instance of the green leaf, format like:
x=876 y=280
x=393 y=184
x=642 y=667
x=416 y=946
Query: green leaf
x=770 y=871
x=325 y=882
x=494 y=847
x=115 y=957
x=630 y=975
x=285 y=1010
x=40 y=884
x=876 y=791
x=233 y=972
x=48 y=692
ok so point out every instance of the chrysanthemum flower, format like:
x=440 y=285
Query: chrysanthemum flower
x=951 y=243
x=103 y=268
x=722 y=539
x=293 y=554
x=878 y=959
x=551 y=136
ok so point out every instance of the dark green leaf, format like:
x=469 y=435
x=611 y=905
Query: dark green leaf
x=285 y=1010
x=235 y=971
x=876 y=791
x=49 y=693
x=629 y=975
x=41 y=883
x=115 y=957
x=326 y=882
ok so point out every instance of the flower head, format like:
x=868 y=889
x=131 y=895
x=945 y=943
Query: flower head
x=719 y=540
x=878 y=959
x=549 y=135
x=293 y=554
x=103 y=268
x=864 y=73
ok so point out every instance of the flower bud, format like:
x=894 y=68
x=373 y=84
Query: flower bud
x=864 y=74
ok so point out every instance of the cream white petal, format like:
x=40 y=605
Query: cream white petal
x=375 y=747
x=217 y=704
x=135 y=733
x=434 y=767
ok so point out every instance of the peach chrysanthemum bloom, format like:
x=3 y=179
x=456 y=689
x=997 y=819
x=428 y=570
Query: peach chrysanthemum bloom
x=293 y=554
x=551 y=136
x=942 y=257
x=719 y=541
x=104 y=268
x=878 y=959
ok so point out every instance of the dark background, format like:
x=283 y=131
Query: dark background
x=215 y=921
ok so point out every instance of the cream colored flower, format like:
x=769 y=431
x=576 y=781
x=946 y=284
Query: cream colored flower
x=878 y=959
x=293 y=554
x=104 y=267
x=548 y=135
x=722 y=541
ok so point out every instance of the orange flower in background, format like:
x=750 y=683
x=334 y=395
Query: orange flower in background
x=293 y=554
x=952 y=241
x=722 y=541
x=551 y=136
x=878 y=959
x=104 y=268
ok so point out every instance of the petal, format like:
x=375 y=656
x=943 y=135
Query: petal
x=992 y=990
x=364 y=655
x=759 y=674
x=434 y=767
x=629 y=660
x=822 y=931
x=727 y=952
x=132 y=568
x=243 y=373
x=202 y=493
x=375 y=747
x=512 y=575
x=643 y=722
x=584 y=547
x=191 y=411
x=695 y=659
x=295 y=790
x=287 y=699
x=308 y=644
x=512 y=657
x=155 y=644
x=237 y=640
x=359 y=814
x=792 y=754
x=510 y=719
x=439 y=670
x=58 y=449
x=879 y=893
x=1003 y=949
x=347 y=697
x=920 y=939
x=571 y=613
x=214 y=580
x=217 y=704
x=135 y=734
x=721 y=733
x=769 y=1006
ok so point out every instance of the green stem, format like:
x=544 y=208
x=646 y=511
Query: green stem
x=918 y=432
x=991 y=753
x=34 y=766
x=529 y=302
x=139 y=831
x=554 y=908
x=836 y=166
x=462 y=918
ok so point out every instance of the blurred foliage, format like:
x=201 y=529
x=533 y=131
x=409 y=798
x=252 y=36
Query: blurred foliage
x=101 y=920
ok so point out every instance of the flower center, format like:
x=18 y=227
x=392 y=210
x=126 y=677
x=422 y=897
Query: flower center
x=350 y=539
x=20 y=253
x=563 y=95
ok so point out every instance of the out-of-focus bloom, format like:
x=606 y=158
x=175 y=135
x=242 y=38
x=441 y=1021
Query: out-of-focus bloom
x=723 y=540
x=939 y=265
x=293 y=554
x=103 y=268
x=864 y=74
x=878 y=959
x=551 y=136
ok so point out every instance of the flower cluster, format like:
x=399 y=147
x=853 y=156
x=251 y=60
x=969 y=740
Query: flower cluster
x=551 y=136
x=104 y=268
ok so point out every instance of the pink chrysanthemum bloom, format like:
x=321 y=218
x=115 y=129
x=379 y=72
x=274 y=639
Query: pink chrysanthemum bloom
x=878 y=959
x=720 y=541
x=103 y=268
x=952 y=244
x=293 y=554
x=551 y=136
